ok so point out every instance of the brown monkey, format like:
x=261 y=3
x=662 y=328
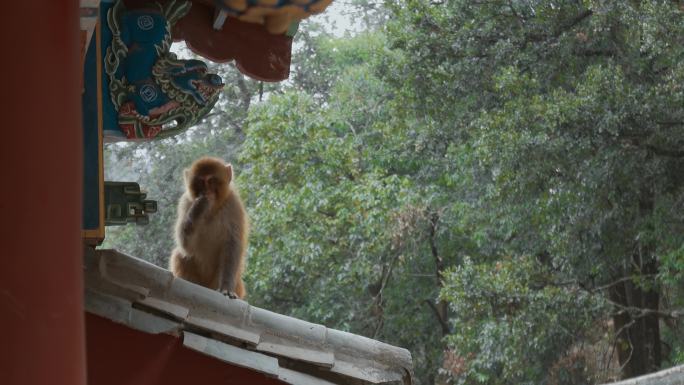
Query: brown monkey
x=211 y=229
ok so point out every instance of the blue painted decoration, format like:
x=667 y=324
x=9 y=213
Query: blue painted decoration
x=150 y=92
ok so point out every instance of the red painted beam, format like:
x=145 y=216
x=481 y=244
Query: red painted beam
x=41 y=288
x=257 y=53
x=118 y=355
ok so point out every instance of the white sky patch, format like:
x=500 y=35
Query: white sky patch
x=339 y=19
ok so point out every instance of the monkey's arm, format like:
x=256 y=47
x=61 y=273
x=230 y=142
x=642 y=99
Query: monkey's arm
x=196 y=209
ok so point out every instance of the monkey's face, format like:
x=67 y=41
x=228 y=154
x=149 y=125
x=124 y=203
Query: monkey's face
x=208 y=185
x=208 y=177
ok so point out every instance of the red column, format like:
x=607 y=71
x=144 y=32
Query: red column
x=41 y=288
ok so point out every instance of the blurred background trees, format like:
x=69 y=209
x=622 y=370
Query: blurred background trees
x=495 y=185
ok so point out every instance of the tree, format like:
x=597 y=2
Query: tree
x=487 y=183
x=328 y=204
x=511 y=324
x=563 y=120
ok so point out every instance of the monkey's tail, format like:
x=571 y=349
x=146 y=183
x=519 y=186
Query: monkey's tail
x=240 y=290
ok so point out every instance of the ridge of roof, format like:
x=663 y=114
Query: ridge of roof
x=149 y=298
x=671 y=376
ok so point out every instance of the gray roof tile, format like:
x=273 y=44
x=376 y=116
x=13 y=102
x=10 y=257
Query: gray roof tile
x=293 y=350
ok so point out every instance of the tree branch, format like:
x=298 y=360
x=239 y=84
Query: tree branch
x=636 y=142
x=623 y=279
x=671 y=123
x=665 y=152
x=442 y=311
x=445 y=326
x=578 y=19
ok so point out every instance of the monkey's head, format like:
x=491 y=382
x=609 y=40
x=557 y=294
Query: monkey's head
x=208 y=177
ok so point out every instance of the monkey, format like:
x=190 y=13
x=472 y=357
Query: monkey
x=211 y=229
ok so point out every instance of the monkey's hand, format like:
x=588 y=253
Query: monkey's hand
x=229 y=294
x=198 y=207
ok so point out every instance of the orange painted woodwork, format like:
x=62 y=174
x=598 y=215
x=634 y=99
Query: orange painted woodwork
x=118 y=355
x=257 y=53
x=41 y=280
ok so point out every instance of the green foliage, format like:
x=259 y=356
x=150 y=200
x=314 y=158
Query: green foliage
x=387 y=179
x=557 y=128
x=511 y=320
x=325 y=245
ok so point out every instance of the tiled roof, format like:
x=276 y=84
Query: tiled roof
x=148 y=298
x=671 y=376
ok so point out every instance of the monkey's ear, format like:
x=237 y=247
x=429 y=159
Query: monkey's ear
x=186 y=175
x=229 y=172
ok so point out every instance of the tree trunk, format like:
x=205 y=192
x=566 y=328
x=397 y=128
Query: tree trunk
x=638 y=334
x=637 y=330
x=621 y=323
x=441 y=309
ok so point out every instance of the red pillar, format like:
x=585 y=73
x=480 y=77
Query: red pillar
x=41 y=288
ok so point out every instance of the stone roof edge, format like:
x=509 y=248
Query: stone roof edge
x=671 y=376
x=144 y=296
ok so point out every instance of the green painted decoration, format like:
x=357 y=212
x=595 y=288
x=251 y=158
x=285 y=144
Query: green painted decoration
x=125 y=203
x=153 y=93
